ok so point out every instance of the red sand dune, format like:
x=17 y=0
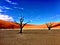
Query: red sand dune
x=13 y=25
x=54 y=25
x=6 y=24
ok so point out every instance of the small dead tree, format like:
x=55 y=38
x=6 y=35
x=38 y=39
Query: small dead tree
x=21 y=24
x=49 y=26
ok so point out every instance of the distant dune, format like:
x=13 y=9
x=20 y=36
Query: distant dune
x=14 y=25
x=54 y=25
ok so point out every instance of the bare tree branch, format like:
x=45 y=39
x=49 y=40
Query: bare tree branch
x=21 y=23
x=49 y=25
x=25 y=24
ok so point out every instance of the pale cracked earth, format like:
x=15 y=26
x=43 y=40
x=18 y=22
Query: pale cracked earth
x=30 y=37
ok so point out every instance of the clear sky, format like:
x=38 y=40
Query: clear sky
x=39 y=11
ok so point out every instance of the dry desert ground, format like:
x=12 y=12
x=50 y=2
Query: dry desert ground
x=30 y=37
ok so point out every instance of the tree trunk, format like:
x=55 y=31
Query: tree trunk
x=49 y=28
x=21 y=27
x=20 y=30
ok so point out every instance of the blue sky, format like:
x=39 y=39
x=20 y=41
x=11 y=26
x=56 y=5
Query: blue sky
x=39 y=11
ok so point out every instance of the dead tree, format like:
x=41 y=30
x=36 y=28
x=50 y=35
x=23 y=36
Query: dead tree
x=21 y=24
x=49 y=26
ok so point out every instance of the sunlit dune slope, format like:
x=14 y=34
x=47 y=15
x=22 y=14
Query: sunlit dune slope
x=54 y=25
x=7 y=24
x=14 y=25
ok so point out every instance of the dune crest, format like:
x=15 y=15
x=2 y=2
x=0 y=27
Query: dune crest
x=13 y=25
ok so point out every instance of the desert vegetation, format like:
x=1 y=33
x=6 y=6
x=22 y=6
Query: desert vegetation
x=49 y=25
x=21 y=23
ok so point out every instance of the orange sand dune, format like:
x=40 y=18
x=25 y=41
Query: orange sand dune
x=13 y=25
x=6 y=24
x=54 y=25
